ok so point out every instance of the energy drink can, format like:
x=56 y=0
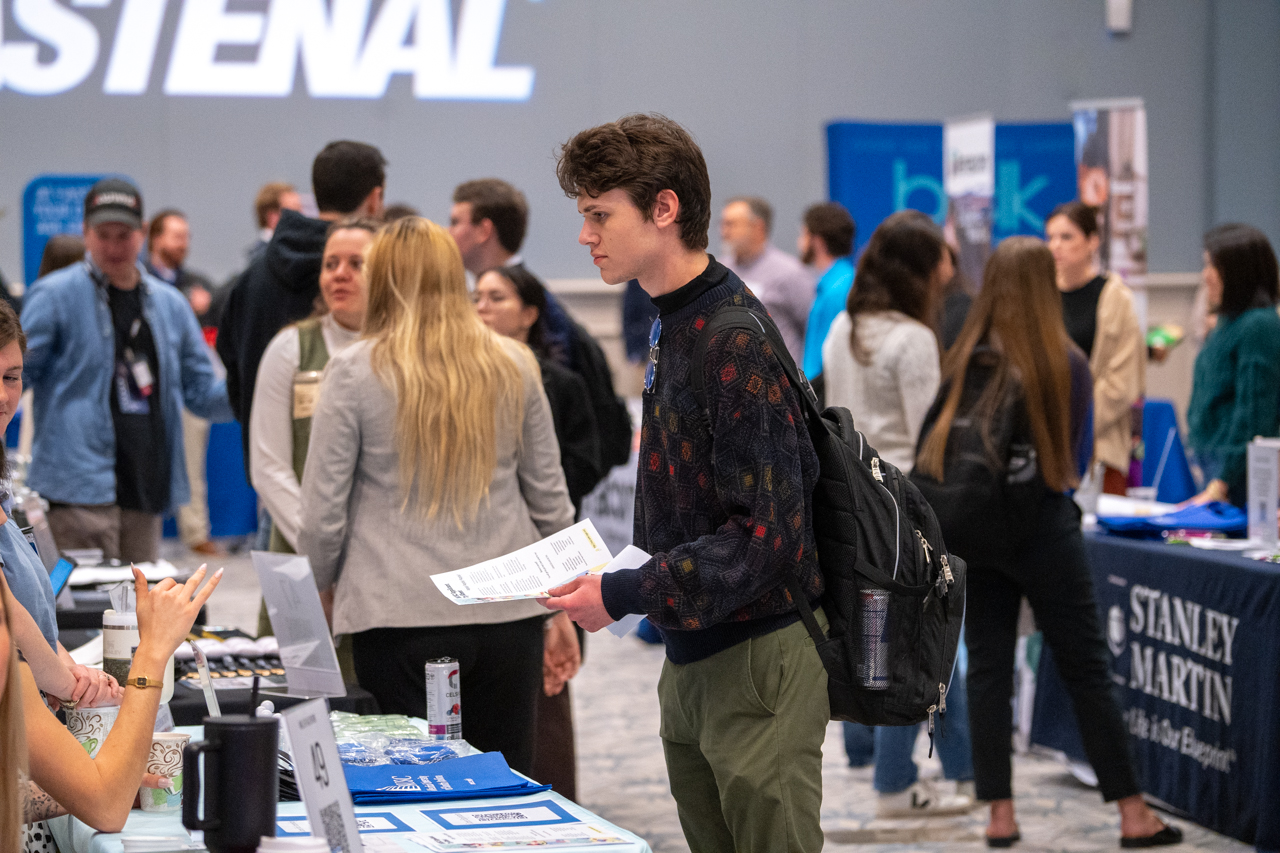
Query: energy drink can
x=873 y=671
x=444 y=700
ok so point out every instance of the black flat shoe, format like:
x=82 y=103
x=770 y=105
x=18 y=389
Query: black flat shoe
x=1001 y=842
x=1163 y=838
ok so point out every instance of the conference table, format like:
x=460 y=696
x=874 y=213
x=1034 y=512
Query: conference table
x=382 y=827
x=1194 y=640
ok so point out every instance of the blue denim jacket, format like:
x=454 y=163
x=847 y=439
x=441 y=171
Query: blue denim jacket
x=69 y=365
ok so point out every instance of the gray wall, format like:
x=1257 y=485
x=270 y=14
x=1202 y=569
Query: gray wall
x=754 y=80
x=1244 y=159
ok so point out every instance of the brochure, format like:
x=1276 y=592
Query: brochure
x=530 y=571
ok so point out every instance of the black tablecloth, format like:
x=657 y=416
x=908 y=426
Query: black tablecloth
x=1195 y=656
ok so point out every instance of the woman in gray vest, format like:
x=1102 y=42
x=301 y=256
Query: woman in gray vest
x=288 y=387
x=289 y=378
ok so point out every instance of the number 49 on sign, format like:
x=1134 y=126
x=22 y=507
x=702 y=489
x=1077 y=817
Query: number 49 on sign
x=319 y=774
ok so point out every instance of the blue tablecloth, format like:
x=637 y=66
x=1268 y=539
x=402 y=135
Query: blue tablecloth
x=1195 y=656
x=74 y=837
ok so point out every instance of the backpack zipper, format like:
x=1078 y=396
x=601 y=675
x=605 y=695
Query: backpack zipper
x=946 y=570
x=924 y=543
x=875 y=469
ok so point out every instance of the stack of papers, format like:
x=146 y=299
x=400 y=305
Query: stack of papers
x=483 y=775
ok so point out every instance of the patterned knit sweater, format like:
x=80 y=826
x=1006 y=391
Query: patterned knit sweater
x=724 y=508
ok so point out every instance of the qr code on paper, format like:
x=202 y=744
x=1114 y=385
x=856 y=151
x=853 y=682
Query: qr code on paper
x=335 y=831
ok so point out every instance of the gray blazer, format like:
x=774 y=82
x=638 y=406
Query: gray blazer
x=380 y=556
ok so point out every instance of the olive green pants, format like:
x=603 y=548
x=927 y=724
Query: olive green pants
x=742 y=731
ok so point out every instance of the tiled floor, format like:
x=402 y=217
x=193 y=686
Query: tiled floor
x=622 y=776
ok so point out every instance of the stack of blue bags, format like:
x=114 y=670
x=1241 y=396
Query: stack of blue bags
x=482 y=775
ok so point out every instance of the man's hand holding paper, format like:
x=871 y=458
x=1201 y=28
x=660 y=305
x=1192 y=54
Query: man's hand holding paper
x=581 y=599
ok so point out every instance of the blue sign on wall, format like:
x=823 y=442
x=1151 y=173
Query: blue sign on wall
x=877 y=169
x=1035 y=172
x=51 y=204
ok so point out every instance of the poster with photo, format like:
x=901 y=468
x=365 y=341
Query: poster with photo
x=1111 y=175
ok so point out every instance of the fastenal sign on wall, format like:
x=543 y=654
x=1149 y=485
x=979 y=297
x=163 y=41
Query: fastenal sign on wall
x=344 y=48
x=1194 y=640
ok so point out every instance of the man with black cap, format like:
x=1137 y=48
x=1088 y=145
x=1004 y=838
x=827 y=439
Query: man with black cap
x=108 y=343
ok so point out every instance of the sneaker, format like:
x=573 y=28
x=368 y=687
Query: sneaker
x=967 y=789
x=922 y=800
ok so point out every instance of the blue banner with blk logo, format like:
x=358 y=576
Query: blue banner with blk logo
x=877 y=169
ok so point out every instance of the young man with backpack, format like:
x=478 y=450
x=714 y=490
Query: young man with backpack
x=723 y=503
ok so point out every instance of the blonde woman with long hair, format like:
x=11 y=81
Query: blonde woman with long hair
x=432 y=448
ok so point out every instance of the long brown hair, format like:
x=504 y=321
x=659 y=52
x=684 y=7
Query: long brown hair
x=13 y=745
x=895 y=273
x=453 y=378
x=1018 y=314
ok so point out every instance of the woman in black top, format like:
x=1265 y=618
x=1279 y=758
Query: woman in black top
x=1014 y=350
x=512 y=302
x=1099 y=315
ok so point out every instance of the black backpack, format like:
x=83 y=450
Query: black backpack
x=991 y=485
x=879 y=544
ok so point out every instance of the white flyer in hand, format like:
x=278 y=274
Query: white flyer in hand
x=530 y=571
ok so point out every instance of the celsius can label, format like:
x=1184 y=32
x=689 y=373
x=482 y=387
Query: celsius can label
x=873 y=672
x=444 y=700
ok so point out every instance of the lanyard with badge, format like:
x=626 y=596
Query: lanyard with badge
x=134 y=382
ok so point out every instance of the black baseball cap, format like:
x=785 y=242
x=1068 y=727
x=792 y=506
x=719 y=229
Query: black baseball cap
x=113 y=200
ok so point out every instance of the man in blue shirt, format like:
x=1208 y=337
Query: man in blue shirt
x=826 y=243
x=113 y=356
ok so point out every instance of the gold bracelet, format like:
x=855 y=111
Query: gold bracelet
x=144 y=682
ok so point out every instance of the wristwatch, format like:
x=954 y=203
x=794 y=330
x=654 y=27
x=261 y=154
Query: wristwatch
x=144 y=682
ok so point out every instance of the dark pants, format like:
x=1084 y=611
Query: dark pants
x=1051 y=569
x=501 y=672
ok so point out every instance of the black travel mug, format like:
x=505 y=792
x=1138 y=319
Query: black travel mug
x=241 y=782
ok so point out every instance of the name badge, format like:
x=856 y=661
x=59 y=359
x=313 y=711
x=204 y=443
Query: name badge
x=141 y=376
x=306 y=393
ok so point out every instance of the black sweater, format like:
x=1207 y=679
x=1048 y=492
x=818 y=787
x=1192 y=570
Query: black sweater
x=724 y=508
x=280 y=287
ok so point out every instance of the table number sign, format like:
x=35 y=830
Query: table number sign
x=318 y=771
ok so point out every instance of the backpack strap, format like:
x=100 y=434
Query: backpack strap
x=740 y=317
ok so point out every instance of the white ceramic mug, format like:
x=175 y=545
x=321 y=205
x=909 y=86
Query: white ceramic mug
x=165 y=759
x=91 y=725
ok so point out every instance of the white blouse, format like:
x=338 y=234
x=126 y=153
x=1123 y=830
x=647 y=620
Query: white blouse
x=889 y=397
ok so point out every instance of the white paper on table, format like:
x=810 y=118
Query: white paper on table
x=530 y=571
x=91 y=575
x=517 y=838
x=631 y=557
